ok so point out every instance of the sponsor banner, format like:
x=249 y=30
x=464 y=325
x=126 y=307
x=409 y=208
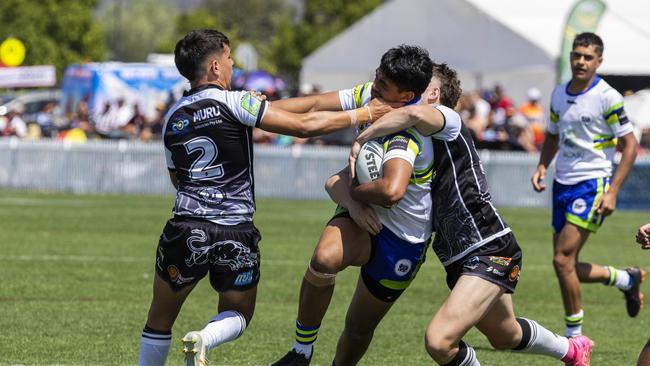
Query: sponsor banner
x=27 y=76
x=584 y=17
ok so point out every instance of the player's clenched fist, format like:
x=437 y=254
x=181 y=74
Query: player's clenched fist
x=643 y=236
x=538 y=177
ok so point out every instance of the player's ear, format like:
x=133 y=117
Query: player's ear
x=406 y=96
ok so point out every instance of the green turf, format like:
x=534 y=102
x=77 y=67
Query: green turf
x=76 y=276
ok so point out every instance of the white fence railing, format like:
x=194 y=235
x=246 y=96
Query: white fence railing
x=297 y=172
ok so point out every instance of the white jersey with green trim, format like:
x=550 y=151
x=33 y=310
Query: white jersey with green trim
x=411 y=217
x=589 y=125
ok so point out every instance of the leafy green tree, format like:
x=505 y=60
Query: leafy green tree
x=55 y=32
x=321 y=20
x=134 y=29
x=197 y=18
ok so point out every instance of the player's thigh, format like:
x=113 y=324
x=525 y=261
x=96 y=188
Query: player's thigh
x=365 y=310
x=470 y=300
x=166 y=303
x=500 y=324
x=570 y=240
x=341 y=244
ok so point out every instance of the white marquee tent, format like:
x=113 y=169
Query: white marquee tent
x=512 y=42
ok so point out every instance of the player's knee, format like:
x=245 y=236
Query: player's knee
x=326 y=260
x=563 y=262
x=318 y=278
x=439 y=345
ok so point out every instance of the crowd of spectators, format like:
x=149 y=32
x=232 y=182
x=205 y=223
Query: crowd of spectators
x=495 y=121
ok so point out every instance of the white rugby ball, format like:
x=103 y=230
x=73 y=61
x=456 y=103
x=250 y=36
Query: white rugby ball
x=369 y=162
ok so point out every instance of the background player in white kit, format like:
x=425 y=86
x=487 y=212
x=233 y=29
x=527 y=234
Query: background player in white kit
x=587 y=122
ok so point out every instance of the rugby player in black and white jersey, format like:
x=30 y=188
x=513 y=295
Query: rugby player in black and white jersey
x=477 y=248
x=209 y=151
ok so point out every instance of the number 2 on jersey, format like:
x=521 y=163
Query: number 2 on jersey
x=202 y=168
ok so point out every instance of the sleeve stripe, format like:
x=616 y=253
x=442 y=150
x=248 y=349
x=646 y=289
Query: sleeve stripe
x=615 y=108
x=260 y=114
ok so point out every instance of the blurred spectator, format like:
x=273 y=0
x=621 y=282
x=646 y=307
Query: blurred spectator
x=500 y=103
x=152 y=130
x=45 y=120
x=13 y=124
x=534 y=114
x=136 y=124
x=520 y=136
x=124 y=113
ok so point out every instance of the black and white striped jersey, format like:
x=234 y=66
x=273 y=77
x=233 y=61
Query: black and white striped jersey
x=208 y=144
x=464 y=218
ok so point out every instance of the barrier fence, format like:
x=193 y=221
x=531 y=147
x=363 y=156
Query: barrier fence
x=296 y=172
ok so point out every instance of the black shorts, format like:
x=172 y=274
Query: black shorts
x=190 y=248
x=498 y=261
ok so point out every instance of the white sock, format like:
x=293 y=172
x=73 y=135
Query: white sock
x=619 y=278
x=305 y=349
x=224 y=327
x=539 y=340
x=623 y=280
x=574 y=324
x=154 y=346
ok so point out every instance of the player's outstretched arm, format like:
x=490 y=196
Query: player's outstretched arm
x=318 y=123
x=387 y=190
x=549 y=149
x=607 y=203
x=338 y=188
x=312 y=103
x=426 y=119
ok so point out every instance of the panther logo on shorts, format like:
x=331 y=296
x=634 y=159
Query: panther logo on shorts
x=402 y=267
x=229 y=253
x=579 y=206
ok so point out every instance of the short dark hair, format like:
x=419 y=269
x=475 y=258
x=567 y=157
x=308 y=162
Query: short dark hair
x=192 y=51
x=450 y=89
x=409 y=67
x=587 y=39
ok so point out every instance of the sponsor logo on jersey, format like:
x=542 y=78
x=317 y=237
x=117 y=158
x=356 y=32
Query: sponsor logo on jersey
x=244 y=279
x=179 y=126
x=585 y=118
x=472 y=263
x=514 y=274
x=571 y=101
x=495 y=271
x=251 y=104
x=212 y=195
x=579 y=206
x=398 y=143
x=207 y=113
x=503 y=261
x=403 y=267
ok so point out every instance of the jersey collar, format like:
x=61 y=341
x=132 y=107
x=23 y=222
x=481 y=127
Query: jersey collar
x=593 y=84
x=201 y=88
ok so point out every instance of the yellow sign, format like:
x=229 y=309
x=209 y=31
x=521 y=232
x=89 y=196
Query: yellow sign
x=12 y=52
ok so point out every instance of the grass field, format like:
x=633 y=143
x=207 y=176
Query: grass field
x=76 y=275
